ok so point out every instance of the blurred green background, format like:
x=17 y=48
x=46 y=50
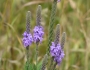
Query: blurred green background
x=74 y=19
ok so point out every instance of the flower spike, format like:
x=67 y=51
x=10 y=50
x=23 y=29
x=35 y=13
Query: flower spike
x=63 y=39
x=38 y=30
x=27 y=37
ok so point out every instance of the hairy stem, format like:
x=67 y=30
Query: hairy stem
x=51 y=25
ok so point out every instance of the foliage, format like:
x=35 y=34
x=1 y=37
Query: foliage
x=74 y=19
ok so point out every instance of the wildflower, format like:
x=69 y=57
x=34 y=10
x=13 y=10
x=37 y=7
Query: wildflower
x=38 y=34
x=56 y=52
x=38 y=30
x=27 y=39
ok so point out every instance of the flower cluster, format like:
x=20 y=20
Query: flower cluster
x=38 y=31
x=27 y=39
x=38 y=34
x=56 y=52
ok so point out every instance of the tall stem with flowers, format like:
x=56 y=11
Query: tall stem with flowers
x=55 y=52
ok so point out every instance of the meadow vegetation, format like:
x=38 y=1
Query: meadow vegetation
x=74 y=19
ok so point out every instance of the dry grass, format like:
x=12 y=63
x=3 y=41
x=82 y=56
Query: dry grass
x=74 y=19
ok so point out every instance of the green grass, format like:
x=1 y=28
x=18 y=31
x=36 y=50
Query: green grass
x=74 y=19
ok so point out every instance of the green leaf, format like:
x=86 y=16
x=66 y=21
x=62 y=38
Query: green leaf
x=14 y=20
x=29 y=66
x=34 y=67
x=39 y=65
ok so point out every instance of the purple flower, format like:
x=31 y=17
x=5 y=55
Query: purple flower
x=27 y=39
x=38 y=34
x=59 y=0
x=56 y=52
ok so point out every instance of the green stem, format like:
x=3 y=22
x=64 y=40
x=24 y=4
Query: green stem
x=54 y=66
x=28 y=58
x=51 y=64
x=36 y=55
x=51 y=25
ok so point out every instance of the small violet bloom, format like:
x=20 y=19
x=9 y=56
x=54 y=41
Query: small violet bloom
x=59 y=0
x=57 y=53
x=27 y=39
x=38 y=34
